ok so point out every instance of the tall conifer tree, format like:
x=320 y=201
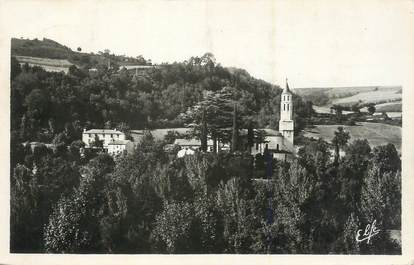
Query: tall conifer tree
x=235 y=132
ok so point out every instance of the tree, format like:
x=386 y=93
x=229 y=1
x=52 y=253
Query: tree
x=97 y=142
x=218 y=116
x=381 y=201
x=15 y=68
x=386 y=158
x=25 y=129
x=76 y=147
x=237 y=220
x=24 y=215
x=338 y=112
x=353 y=170
x=60 y=142
x=65 y=232
x=72 y=226
x=250 y=136
x=235 y=132
x=371 y=109
x=172 y=229
x=37 y=104
x=355 y=108
x=203 y=132
x=315 y=156
x=340 y=140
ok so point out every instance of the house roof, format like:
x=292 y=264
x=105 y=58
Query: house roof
x=191 y=142
x=104 y=131
x=118 y=142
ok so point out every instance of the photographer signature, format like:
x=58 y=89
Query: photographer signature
x=370 y=231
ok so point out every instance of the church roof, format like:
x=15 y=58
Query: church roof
x=286 y=89
x=271 y=132
x=191 y=142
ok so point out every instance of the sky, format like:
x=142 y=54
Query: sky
x=313 y=43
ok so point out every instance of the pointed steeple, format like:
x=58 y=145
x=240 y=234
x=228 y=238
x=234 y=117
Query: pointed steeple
x=286 y=89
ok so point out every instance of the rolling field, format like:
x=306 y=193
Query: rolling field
x=50 y=65
x=348 y=96
x=375 y=133
x=389 y=107
x=375 y=96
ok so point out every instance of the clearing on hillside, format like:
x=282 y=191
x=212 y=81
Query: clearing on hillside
x=375 y=133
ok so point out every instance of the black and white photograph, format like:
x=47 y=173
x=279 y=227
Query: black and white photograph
x=207 y=127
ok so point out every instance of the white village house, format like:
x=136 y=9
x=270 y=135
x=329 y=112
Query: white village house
x=120 y=146
x=105 y=135
x=113 y=140
x=193 y=144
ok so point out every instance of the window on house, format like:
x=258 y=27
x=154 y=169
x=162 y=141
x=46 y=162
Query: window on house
x=284 y=107
x=287 y=106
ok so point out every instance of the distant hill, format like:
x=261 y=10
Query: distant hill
x=387 y=98
x=45 y=48
x=34 y=52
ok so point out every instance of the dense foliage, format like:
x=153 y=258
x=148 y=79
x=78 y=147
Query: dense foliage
x=150 y=202
x=44 y=104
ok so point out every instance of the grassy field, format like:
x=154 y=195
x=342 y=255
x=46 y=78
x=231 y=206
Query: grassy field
x=44 y=61
x=383 y=95
x=50 y=65
x=351 y=95
x=375 y=133
x=389 y=107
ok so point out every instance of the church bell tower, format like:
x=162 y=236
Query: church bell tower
x=286 y=125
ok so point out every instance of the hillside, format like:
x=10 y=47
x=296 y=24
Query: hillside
x=50 y=65
x=45 y=48
x=46 y=101
x=375 y=133
x=349 y=96
x=27 y=50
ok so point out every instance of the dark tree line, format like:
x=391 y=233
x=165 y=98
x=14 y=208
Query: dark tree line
x=150 y=202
